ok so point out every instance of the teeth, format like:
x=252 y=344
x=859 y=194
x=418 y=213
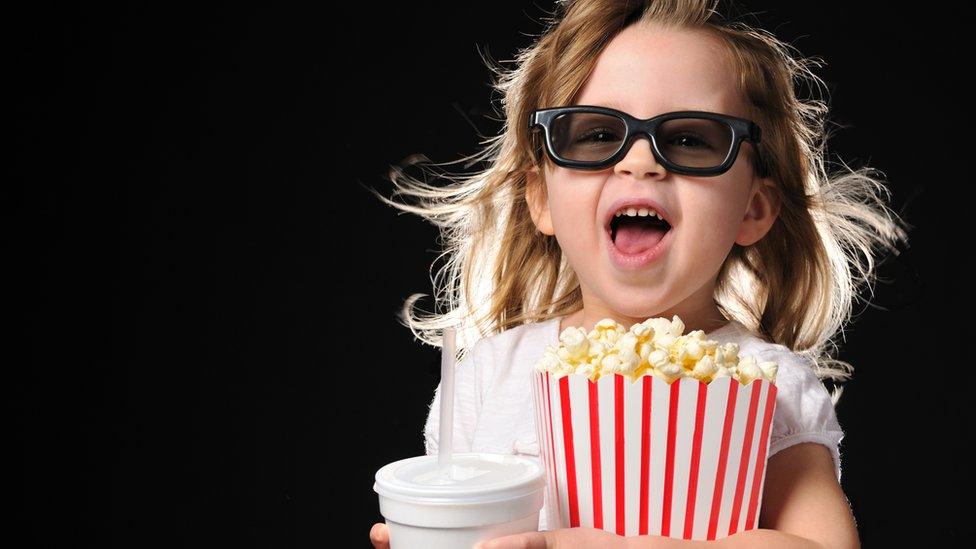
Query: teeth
x=642 y=212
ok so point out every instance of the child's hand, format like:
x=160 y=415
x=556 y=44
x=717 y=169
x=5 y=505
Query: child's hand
x=379 y=535
x=566 y=537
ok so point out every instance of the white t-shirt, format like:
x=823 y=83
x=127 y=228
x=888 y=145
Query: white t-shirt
x=493 y=400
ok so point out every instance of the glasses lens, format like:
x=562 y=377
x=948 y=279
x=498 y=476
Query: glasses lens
x=694 y=142
x=587 y=137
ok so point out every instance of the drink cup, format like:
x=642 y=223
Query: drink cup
x=477 y=497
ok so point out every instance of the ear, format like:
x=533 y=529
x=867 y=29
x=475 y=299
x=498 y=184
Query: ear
x=537 y=197
x=761 y=213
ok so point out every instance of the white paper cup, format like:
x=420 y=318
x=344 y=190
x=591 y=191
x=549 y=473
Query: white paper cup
x=483 y=497
x=683 y=460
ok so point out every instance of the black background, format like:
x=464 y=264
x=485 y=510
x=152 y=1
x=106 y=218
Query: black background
x=199 y=276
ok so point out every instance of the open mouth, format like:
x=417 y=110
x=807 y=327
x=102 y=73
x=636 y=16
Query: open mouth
x=636 y=234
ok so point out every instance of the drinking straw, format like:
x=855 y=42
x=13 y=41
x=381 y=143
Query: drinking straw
x=447 y=398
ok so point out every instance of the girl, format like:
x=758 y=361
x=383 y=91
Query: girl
x=719 y=210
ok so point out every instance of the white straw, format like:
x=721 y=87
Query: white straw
x=447 y=398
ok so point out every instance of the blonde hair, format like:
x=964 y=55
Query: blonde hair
x=796 y=286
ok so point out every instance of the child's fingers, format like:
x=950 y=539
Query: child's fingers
x=379 y=535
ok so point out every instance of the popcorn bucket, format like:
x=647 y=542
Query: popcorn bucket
x=684 y=460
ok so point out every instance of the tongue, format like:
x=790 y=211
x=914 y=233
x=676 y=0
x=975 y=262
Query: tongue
x=634 y=238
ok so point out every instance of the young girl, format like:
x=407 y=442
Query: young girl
x=729 y=221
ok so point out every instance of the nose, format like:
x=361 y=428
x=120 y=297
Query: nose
x=639 y=161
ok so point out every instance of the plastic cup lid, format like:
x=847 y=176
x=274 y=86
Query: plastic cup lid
x=468 y=478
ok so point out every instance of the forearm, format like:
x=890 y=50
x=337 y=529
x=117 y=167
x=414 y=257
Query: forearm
x=759 y=537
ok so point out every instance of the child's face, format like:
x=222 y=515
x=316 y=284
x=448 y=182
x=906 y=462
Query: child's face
x=646 y=72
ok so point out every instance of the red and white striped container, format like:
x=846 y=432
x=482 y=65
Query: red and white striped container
x=684 y=460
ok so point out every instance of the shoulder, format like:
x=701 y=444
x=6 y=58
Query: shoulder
x=512 y=352
x=795 y=369
x=521 y=340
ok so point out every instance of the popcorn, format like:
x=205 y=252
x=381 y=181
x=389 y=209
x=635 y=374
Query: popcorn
x=657 y=346
x=748 y=369
x=769 y=369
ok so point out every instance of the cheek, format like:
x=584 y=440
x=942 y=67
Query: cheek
x=574 y=211
x=560 y=207
x=573 y=205
x=712 y=214
x=566 y=221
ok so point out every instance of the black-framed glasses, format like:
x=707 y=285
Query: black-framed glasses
x=589 y=137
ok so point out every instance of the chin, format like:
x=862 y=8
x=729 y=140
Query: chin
x=638 y=310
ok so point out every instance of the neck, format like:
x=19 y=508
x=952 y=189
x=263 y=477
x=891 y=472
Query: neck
x=706 y=318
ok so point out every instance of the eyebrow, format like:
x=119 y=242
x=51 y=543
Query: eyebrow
x=606 y=103
x=613 y=104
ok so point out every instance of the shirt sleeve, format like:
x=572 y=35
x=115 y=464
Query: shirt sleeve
x=468 y=399
x=804 y=409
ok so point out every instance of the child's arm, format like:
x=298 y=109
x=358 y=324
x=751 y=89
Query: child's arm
x=803 y=504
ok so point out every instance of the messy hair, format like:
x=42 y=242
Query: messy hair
x=796 y=286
